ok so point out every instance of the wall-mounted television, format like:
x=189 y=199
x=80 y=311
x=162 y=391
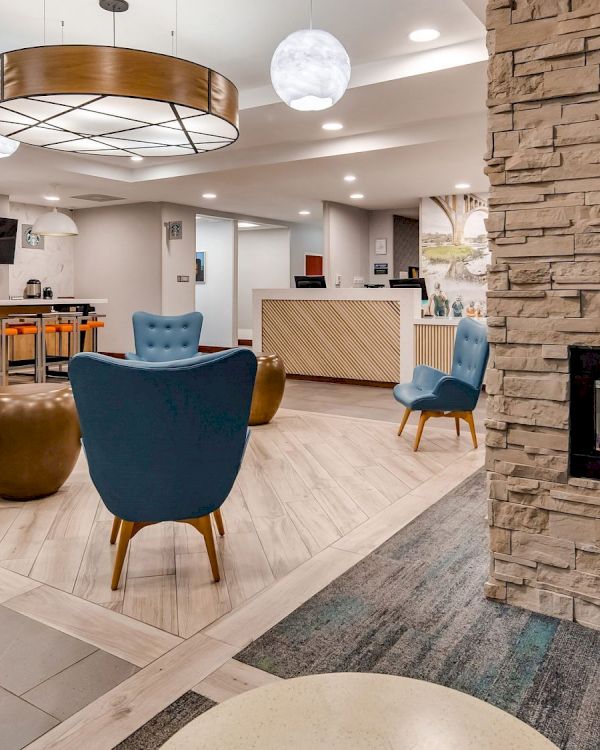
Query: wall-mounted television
x=8 y=240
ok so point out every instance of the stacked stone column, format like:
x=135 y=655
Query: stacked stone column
x=543 y=162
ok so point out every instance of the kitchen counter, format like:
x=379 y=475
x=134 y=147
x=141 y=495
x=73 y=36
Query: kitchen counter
x=50 y=302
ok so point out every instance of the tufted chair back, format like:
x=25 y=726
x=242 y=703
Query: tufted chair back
x=164 y=440
x=166 y=338
x=471 y=351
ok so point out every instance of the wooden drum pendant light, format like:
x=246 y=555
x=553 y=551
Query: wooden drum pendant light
x=114 y=101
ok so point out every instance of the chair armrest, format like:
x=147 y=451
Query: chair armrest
x=426 y=377
x=133 y=357
x=455 y=394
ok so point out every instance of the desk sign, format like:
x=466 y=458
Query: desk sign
x=380 y=269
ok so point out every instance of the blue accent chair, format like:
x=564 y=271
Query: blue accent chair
x=437 y=394
x=164 y=338
x=164 y=441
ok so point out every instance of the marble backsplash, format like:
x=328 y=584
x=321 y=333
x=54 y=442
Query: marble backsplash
x=53 y=265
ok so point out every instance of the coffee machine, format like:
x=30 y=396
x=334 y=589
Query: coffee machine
x=33 y=289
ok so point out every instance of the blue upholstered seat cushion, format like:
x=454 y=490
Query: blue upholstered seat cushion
x=434 y=390
x=165 y=338
x=164 y=441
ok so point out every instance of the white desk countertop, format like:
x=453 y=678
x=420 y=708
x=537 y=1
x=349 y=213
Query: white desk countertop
x=55 y=301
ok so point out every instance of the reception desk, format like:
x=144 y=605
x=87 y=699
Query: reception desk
x=364 y=335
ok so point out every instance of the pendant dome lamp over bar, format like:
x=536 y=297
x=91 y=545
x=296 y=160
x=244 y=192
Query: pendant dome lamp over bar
x=114 y=101
x=310 y=69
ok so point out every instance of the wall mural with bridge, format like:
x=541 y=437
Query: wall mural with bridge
x=455 y=253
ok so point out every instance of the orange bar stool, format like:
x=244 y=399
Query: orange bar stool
x=95 y=325
x=5 y=336
x=25 y=325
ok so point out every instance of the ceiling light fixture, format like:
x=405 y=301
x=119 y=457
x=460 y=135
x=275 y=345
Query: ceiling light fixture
x=332 y=126
x=462 y=186
x=247 y=225
x=7 y=147
x=209 y=196
x=55 y=224
x=304 y=213
x=113 y=101
x=350 y=178
x=357 y=196
x=424 y=35
x=135 y=157
x=52 y=197
x=310 y=69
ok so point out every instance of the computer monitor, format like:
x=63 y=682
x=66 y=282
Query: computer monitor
x=413 y=272
x=411 y=284
x=8 y=240
x=310 y=282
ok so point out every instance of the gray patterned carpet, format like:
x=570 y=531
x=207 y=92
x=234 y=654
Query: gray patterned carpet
x=415 y=607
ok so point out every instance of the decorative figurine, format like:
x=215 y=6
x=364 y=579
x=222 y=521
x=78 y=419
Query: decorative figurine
x=457 y=307
x=439 y=303
x=471 y=312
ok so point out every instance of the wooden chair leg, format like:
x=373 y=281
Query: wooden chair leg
x=407 y=413
x=115 y=529
x=204 y=527
x=470 y=421
x=219 y=522
x=457 y=423
x=127 y=531
x=422 y=419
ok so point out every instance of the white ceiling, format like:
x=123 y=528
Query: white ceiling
x=414 y=116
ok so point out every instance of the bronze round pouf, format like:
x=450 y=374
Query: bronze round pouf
x=268 y=388
x=39 y=439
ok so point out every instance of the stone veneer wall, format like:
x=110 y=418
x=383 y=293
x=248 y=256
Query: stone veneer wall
x=544 y=294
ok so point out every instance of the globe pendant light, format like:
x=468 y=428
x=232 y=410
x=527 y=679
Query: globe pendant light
x=310 y=69
x=55 y=224
x=7 y=147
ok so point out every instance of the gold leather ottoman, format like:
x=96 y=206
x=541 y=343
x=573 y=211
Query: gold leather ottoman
x=39 y=439
x=268 y=388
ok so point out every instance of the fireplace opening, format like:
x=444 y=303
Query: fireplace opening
x=584 y=412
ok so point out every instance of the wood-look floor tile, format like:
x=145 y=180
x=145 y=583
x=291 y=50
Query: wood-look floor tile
x=122 y=636
x=152 y=600
x=233 y=678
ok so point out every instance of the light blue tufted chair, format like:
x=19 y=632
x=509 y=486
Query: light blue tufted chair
x=164 y=441
x=436 y=394
x=165 y=338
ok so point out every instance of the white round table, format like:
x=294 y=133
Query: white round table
x=356 y=712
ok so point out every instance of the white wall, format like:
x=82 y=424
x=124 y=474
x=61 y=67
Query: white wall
x=346 y=242
x=381 y=226
x=118 y=256
x=263 y=263
x=178 y=259
x=305 y=239
x=217 y=299
x=53 y=265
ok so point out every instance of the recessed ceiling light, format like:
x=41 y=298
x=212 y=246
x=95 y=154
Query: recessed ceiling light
x=332 y=126
x=136 y=157
x=357 y=196
x=304 y=213
x=209 y=196
x=52 y=197
x=462 y=186
x=350 y=178
x=424 y=35
x=247 y=225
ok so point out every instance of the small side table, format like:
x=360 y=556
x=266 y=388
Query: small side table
x=40 y=439
x=356 y=712
x=268 y=388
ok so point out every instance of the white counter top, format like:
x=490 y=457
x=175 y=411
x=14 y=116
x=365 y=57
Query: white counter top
x=433 y=321
x=46 y=302
x=342 y=293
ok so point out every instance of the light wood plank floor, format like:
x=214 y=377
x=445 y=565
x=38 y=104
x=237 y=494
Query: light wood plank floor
x=308 y=481
x=316 y=494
